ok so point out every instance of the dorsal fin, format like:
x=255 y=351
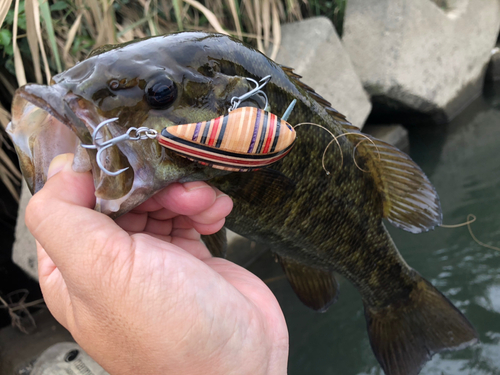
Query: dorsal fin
x=286 y=68
x=351 y=128
x=334 y=113
x=295 y=78
x=410 y=201
x=320 y=99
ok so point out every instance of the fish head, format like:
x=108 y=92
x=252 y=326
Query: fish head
x=155 y=83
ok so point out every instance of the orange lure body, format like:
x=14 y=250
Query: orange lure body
x=246 y=139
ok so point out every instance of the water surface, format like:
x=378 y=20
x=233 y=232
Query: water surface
x=463 y=162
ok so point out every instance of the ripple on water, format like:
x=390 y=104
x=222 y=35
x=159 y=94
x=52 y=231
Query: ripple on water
x=491 y=300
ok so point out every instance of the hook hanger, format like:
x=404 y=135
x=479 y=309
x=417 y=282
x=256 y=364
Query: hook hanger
x=236 y=101
x=132 y=134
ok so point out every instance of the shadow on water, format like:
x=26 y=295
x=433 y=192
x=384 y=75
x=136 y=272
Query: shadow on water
x=462 y=160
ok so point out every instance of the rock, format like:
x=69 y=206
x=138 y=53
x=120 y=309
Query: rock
x=314 y=50
x=395 y=135
x=66 y=358
x=493 y=71
x=422 y=55
x=24 y=250
x=18 y=350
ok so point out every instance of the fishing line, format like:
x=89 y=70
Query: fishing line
x=335 y=139
x=324 y=152
x=470 y=219
x=355 y=147
x=273 y=279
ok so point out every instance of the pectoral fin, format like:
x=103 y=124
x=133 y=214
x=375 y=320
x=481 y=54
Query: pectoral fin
x=216 y=243
x=410 y=201
x=316 y=288
x=266 y=186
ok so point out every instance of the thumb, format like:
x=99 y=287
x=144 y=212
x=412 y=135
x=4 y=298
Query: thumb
x=61 y=218
x=69 y=185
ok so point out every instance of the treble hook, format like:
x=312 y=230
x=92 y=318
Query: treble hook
x=236 y=101
x=140 y=133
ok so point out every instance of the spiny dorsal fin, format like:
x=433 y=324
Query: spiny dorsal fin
x=410 y=201
x=316 y=288
x=216 y=243
x=325 y=103
x=286 y=67
x=351 y=128
x=334 y=113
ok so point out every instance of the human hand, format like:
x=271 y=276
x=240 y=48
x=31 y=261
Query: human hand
x=141 y=294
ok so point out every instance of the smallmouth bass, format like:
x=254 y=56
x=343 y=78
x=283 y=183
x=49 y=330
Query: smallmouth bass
x=314 y=223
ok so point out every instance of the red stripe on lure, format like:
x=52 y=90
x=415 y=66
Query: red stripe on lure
x=246 y=139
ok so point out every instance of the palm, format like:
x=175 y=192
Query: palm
x=183 y=232
x=229 y=299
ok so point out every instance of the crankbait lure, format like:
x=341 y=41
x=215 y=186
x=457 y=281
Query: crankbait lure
x=245 y=139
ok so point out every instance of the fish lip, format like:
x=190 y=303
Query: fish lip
x=35 y=93
x=57 y=101
x=43 y=126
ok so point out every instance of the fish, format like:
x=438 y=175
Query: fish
x=315 y=223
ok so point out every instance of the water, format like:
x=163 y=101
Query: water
x=462 y=160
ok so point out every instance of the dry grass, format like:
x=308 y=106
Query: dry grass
x=9 y=174
x=52 y=35
x=64 y=32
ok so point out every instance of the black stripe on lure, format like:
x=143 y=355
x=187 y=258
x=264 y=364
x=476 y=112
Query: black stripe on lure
x=245 y=139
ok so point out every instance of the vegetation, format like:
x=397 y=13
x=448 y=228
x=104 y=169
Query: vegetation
x=40 y=38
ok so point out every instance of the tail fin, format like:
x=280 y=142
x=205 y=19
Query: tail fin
x=405 y=335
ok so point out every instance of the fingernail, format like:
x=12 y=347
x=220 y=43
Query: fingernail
x=220 y=195
x=57 y=164
x=195 y=185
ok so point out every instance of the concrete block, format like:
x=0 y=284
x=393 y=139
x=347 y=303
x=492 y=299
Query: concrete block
x=66 y=358
x=395 y=135
x=493 y=71
x=313 y=48
x=24 y=250
x=19 y=351
x=424 y=55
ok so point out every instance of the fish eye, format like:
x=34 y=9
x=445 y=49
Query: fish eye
x=160 y=93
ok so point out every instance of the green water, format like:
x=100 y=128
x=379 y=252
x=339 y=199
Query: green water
x=462 y=160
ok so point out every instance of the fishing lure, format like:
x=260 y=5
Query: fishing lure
x=245 y=139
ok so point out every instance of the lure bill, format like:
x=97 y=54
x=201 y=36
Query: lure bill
x=246 y=139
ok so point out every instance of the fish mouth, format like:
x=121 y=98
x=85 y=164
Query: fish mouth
x=40 y=131
x=48 y=121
